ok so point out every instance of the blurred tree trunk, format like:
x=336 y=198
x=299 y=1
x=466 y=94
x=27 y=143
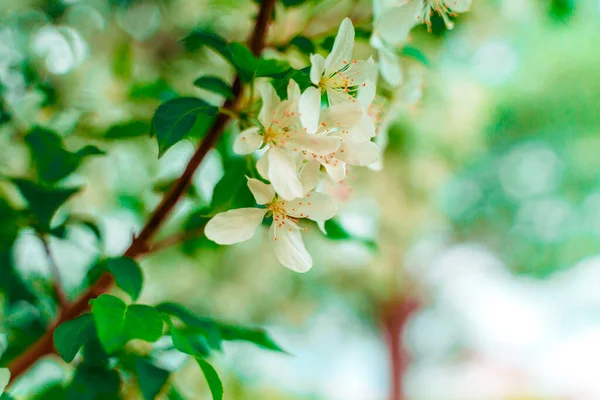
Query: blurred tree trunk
x=394 y=316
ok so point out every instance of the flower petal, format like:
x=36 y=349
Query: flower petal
x=316 y=206
x=293 y=90
x=234 y=226
x=289 y=247
x=263 y=193
x=248 y=141
x=309 y=176
x=317 y=67
x=342 y=47
x=270 y=102
x=283 y=174
x=343 y=115
x=309 y=107
x=336 y=170
x=313 y=143
x=396 y=22
x=389 y=65
x=459 y=6
x=364 y=130
x=358 y=153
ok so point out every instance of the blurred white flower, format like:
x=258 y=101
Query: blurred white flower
x=444 y=8
x=341 y=77
x=62 y=48
x=239 y=225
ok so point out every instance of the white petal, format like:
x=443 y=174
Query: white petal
x=289 y=247
x=313 y=143
x=366 y=93
x=389 y=64
x=270 y=103
x=263 y=166
x=4 y=379
x=309 y=107
x=459 y=6
x=293 y=90
x=342 y=47
x=336 y=170
x=234 y=226
x=263 y=193
x=309 y=176
x=317 y=67
x=283 y=174
x=395 y=24
x=336 y=97
x=248 y=141
x=364 y=130
x=316 y=206
x=344 y=115
x=358 y=153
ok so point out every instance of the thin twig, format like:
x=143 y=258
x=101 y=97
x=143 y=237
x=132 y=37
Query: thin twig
x=176 y=239
x=63 y=302
x=140 y=244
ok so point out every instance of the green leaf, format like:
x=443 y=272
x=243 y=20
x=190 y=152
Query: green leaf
x=190 y=341
x=53 y=162
x=4 y=378
x=143 y=322
x=91 y=383
x=336 y=231
x=243 y=60
x=301 y=76
x=175 y=118
x=212 y=378
x=151 y=379
x=214 y=84
x=88 y=223
x=118 y=323
x=414 y=53
x=43 y=200
x=207 y=326
x=127 y=272
x=71 y=335
x=232 y=190
x=127 y=130
x=256 y=336
x=304 y=44
x=272 y=68
x=201 y=37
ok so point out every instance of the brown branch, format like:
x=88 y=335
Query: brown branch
x=140 y=244
x=63 y=302
x=176 y=239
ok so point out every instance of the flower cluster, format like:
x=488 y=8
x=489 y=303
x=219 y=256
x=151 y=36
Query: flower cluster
x=301 y=142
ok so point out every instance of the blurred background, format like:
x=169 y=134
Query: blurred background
x=466 y=268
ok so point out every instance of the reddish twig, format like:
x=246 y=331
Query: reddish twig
x=140 y=244
x=176 y=239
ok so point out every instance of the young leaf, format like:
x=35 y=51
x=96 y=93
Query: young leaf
x=127 y=272
x=243 y=60
x=127 y=130
x=201 y=37
x=190 y=341
x=208 y=326
x=212 y=378
x=151 y=379
x=4 y=378
x=90 y=383
x=109 y=315
x=175 y=118
x=71 y=335
x=256 y=336
x=118 y=323
x=272 y=68
x=143 y=322
x=52 y=160
x=336 y=231
x=232 y=190
x=214 y=84
x=43 y=201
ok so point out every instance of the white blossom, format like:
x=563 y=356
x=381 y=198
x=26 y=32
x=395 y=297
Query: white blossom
x=238 y=225
x=286 y=139
x=341 y=77
x=444 y=8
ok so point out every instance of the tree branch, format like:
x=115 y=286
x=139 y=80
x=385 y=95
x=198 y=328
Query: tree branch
x=140 y=244
x=63 y=302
